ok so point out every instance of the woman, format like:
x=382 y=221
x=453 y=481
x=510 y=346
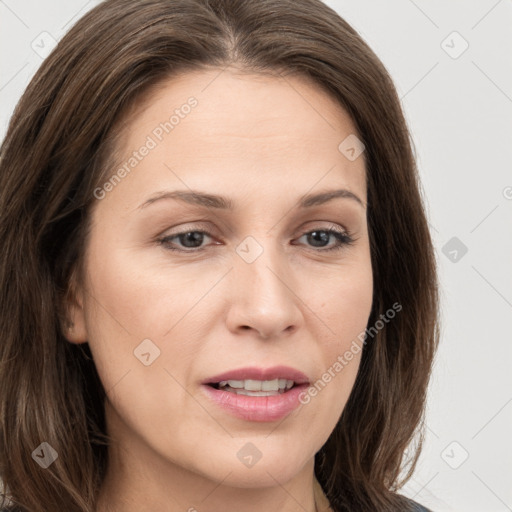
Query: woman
x=218 y=284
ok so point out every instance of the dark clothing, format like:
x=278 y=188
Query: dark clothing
x=418 y=507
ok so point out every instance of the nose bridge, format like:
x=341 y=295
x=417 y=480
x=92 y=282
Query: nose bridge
x=262 y=296
x=258 y=266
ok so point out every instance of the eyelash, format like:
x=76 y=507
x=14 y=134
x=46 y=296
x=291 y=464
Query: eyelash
x=343 y=239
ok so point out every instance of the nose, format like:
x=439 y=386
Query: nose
x=262 y=296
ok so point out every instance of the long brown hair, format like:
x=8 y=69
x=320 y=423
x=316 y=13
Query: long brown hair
x=58 y=148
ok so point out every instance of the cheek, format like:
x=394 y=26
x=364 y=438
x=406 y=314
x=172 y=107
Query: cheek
x=144 y=294
x=126 y=320
x=131 y=302
x=345 y=310
x=345 y=304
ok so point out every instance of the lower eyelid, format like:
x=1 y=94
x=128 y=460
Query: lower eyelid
x=165 y=240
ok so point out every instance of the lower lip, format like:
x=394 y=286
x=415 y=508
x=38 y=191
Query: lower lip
x=257 y=408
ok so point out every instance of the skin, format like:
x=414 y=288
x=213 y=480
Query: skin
x=263 y=142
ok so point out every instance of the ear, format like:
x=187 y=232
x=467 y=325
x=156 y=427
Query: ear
x=73 y=325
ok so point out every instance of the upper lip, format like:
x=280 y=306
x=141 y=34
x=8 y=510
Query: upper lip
x=254 y=373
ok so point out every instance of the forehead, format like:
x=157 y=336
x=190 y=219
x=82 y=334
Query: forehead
x=255 y=104
x=244 y=129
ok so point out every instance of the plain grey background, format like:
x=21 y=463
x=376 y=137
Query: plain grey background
x=451 y=65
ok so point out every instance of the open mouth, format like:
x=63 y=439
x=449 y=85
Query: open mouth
x=251 y=387
x=269 y=396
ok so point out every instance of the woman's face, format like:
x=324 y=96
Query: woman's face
x=164 y=314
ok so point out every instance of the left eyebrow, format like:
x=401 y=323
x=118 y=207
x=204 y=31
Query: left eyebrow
x=221 y=202
x=324 y=197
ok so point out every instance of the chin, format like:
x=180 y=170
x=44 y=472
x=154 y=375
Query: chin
x=265 y=470
x=260 y=475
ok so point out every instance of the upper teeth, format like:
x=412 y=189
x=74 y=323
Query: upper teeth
x=258 y=385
